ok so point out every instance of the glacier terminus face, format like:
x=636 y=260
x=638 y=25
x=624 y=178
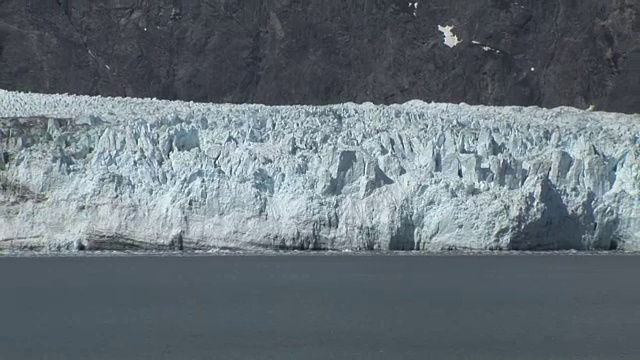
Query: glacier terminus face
x=79 y=172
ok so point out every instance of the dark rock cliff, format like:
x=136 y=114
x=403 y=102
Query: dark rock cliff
x=520 y=52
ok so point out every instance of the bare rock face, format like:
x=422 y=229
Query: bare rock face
x=81 y=172
x=492 y=52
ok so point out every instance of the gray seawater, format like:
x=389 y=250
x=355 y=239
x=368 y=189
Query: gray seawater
x=320 y=307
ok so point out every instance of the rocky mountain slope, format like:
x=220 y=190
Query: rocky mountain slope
x=524 y=52
x=96 y=173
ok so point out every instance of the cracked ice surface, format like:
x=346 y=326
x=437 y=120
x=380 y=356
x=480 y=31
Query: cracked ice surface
x=112 y=173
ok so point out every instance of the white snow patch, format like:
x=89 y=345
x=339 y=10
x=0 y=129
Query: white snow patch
x=450 y=39
x=485 y=47
x=415 y=7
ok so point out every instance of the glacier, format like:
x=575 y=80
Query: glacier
x=81 y=172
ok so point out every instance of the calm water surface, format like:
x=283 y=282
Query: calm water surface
x=321 y=307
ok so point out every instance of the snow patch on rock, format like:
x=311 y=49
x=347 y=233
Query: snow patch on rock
x=450 y=39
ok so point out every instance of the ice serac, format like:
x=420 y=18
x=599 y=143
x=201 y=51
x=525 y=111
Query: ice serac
x=82 y=172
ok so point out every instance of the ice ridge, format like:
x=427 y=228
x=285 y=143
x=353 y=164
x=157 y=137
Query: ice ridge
x=80 y=172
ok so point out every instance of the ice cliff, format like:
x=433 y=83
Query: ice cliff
x=81 y=172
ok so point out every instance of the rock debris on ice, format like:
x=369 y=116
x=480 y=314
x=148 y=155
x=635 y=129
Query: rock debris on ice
x=81 y=172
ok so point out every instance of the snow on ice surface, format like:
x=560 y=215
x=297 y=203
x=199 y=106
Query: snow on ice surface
x=80 y=172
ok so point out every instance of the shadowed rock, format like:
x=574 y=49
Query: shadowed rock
x=527 y=52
